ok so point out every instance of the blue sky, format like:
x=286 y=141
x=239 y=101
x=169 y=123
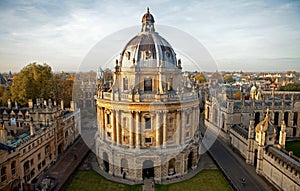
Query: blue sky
x=240 y=35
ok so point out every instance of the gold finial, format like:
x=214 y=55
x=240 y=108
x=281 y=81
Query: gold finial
x=148 y=10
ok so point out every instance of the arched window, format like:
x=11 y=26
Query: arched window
x=171 y=169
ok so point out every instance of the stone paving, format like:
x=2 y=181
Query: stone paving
x=67 y=163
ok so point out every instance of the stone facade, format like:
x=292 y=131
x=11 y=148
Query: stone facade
x=148 y=121
x=31 y=140
x=258 y=129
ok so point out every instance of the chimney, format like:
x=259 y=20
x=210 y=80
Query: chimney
x=62 y=104
x=32 y=130
x=3 y=134
x=72 y=105
x=30 y=103
x=9 y=103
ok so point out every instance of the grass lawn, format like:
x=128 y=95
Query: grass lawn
x=92 y=181
x=293 y=146
x=207 y=180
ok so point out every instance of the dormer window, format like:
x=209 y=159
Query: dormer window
x=147 y=84
x=148 y=54
x=127 y=55
x=168 y=54
x=125 y=83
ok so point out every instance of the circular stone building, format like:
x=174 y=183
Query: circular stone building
x=148 y=122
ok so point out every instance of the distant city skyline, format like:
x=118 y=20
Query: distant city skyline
x=243 y=35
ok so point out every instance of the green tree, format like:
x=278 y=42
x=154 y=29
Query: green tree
x=33 y=81
x=228 y=79
x=62 y=87
x=291 y=87
x=200 y=78
x=4 y=95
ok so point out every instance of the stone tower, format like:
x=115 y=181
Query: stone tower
x=147 y=120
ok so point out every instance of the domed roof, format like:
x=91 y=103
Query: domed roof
x=148 y=48
x=148 y=17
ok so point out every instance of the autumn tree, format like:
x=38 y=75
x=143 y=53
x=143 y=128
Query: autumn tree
x=228 y=79
x=33 y=81
x=200 y=78
x=291 y=87
x=62 y=87
x=4 y=95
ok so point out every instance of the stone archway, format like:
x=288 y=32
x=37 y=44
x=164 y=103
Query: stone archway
x=171 y=167
x=105 y=162
x=148 y=169
x=124 y=167
x=190 y=161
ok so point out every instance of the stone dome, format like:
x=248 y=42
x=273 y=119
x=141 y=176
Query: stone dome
x=148 y=17
x=148 y=48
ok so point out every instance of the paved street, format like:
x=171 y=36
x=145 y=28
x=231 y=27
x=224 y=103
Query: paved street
x=67 y=163
x=236 y=168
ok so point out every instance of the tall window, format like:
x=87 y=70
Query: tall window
x=147 y=123
x=147 y=84
x=108 y=118
x=188 y=118
x=13 y=168
x=286 y=117
x=276 y=118
x=3 y=174
x=125 y=83
x=295 y=119
x=26 y=166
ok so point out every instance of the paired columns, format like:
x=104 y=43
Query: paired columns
x=135 y=121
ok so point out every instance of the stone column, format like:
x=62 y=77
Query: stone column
x=102 y=123
x=113 y=126
x=178 y=129
x=99 y=122
x=118 y=127
x=138 y=129
x=157 y=118
x=183 y=124
x=131 y=130
x=165 y=129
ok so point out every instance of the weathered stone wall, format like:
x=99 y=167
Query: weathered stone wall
x=280 y=173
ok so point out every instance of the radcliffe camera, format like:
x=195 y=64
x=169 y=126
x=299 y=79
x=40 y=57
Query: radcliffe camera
x=149 y=96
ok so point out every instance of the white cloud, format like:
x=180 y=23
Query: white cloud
x=62 y=34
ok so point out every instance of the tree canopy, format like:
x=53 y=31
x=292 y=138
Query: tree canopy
x=200 y=78
x=38 y=81
x=291 y=87
x=33 y=81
